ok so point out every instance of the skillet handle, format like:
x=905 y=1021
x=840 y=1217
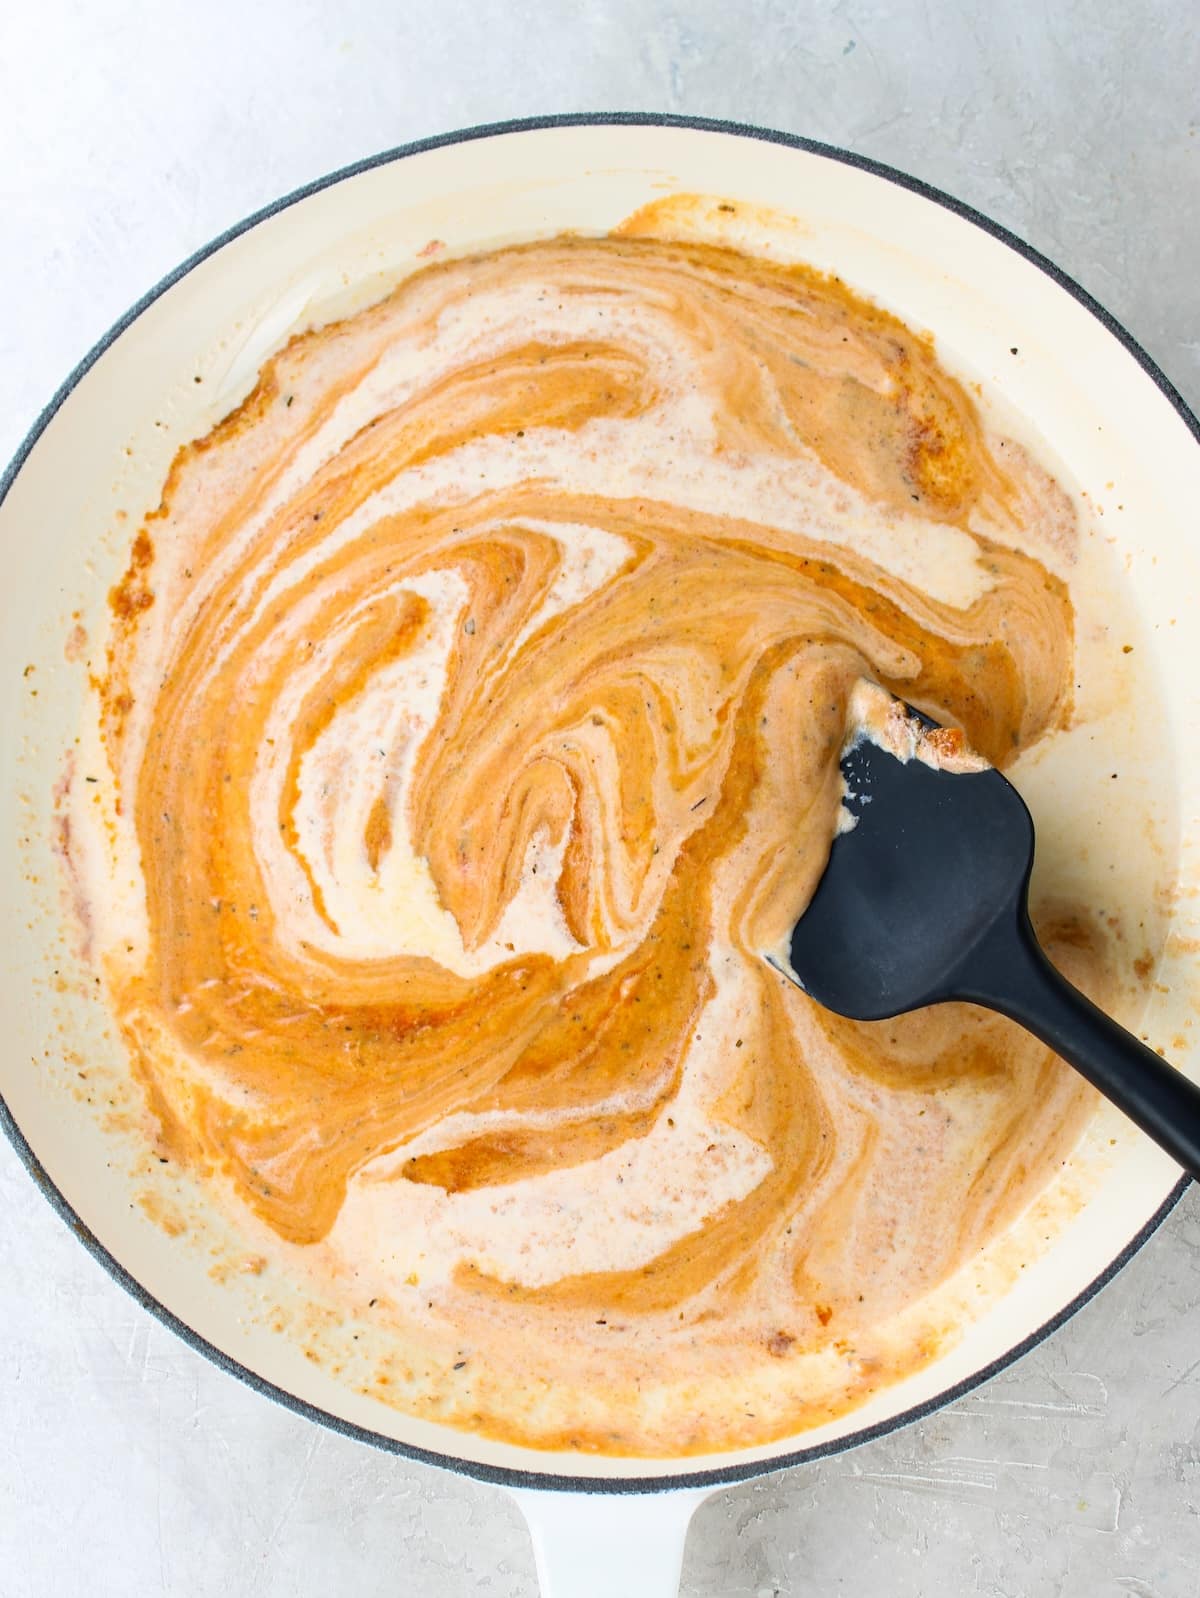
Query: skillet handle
x=608 y=1545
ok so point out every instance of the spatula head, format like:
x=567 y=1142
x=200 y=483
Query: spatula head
x=933 y=861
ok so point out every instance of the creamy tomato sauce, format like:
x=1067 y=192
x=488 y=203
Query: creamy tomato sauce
x=475 y=699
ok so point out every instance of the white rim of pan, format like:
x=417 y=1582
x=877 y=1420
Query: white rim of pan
x=502 y=1475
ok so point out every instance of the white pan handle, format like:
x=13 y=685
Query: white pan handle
x=608 y=1545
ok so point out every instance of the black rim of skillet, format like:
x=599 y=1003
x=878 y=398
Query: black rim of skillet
x=503 y=1475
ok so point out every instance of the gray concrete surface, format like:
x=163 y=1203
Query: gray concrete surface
x=129 y=134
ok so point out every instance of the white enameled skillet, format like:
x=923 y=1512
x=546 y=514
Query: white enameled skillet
x=104 y=442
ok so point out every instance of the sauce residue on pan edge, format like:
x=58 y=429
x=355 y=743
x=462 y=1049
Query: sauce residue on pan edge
x=474 y=700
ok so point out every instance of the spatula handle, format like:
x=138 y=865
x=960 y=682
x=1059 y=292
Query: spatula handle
x=1008 y=971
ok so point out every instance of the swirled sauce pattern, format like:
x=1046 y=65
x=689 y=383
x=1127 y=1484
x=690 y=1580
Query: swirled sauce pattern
x=475 y=697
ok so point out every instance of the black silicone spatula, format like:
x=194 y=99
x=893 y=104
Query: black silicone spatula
x=925 y=900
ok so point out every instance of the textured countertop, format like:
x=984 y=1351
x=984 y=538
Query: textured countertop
x=130 y=135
